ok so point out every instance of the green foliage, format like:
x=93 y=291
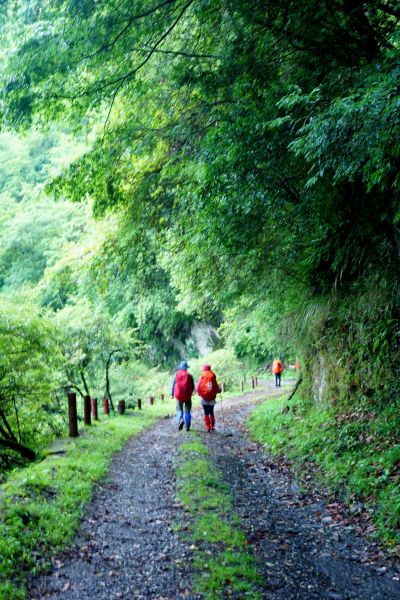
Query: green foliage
x=239 y=157
x=253 y=330
x=242 y=161
x=124 y=274
x=91 y=344
x=28 y=367
x=137 y=379
x=34 y=229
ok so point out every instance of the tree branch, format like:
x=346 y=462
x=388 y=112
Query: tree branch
x=130 y=22
x=177 y=53
x=23 y=450
x=7 y=425
x=108 y=363
x=296 y=387
x=85 y=385
x=121 y=80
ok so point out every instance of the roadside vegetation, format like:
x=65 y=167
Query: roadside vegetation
x=222 y=559
x=355 y=452
x=41 y=505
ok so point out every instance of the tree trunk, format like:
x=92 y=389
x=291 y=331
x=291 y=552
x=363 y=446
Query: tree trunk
x=108 y=390
x=296 y=387
x=22 y=450
x=108 y=387
x=7 y=432
x=85 y=385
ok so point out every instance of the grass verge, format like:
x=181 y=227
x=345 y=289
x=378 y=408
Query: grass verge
x=357 y=453
x=42 y=504
x=224 y=564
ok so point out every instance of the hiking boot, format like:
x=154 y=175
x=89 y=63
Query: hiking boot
x=181 y=424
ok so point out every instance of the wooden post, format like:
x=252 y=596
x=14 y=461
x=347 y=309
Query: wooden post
x=72 y=415
x=95 y=411
x=86 y=410
x=256 y=378
x=162 y=397
x=121 y=407
x=106 y=406
x=139 y=404
x=252 y=382
x=151 y=400
x=242 y=385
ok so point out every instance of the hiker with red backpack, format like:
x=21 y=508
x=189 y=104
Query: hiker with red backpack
x=182 y=390
x=277 y=370
x=208 y=388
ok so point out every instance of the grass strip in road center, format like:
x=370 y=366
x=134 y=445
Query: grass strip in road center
x=41 y=505
x=224 y=563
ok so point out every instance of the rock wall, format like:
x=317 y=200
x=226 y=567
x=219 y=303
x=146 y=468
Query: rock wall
x=205 y=337
x=319 y=379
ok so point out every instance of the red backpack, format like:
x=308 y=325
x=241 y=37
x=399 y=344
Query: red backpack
x=208 y=386
x=183 y=388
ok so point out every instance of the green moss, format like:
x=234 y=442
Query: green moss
x=224 y=562
x=227 y=573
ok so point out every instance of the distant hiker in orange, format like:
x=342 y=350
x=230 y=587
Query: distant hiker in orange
x=277 y=371
x=182 y=390
x=208 y=388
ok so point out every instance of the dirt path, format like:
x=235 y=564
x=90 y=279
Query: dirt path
x=128 y=548
x=301 y=553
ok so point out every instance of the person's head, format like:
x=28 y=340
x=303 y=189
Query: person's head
x=207 y=368
x=183 y=366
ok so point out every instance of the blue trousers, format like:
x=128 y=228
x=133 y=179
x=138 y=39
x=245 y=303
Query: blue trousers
x=180 y=407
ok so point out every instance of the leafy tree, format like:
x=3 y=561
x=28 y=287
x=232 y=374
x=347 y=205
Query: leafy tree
x=28 y=376
x=91 y=344
x=34 y=229
x=255 y=144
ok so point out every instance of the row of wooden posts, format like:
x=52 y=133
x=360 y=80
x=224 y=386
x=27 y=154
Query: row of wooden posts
x=90 y=407
x=254 y=382
x=90 y=410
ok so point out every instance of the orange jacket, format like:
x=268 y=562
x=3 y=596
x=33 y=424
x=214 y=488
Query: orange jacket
x=277 y=367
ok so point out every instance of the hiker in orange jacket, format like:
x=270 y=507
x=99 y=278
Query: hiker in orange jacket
x=208 y=388
x=277 y=370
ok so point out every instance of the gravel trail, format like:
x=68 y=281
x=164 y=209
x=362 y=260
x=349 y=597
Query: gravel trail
x=128 y=548
x=302 y=553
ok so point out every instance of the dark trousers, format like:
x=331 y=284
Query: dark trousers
x=209 y=409
x=277 y=379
